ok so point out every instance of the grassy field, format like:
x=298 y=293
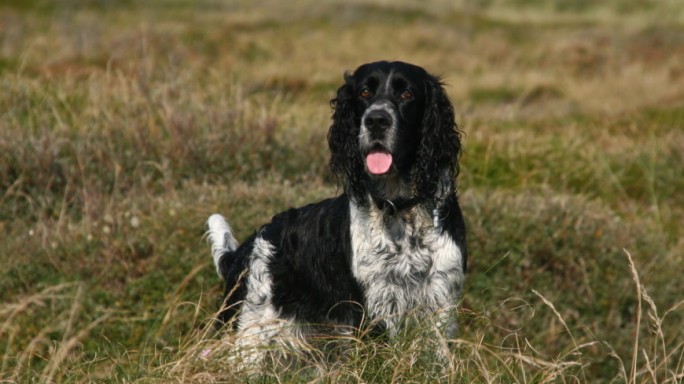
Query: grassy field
x=124 y=124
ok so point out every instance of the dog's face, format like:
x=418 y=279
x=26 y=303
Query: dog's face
x=393 y=133
x=389 y=104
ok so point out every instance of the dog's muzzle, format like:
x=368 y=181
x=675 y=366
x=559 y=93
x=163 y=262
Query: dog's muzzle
x=378 y=131
x=377 y=122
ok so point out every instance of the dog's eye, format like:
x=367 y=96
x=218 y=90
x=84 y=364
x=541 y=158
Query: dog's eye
x=406 y=95
x=365 y=93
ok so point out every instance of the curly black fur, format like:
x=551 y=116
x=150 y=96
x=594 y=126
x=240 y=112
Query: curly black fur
x=345 y=159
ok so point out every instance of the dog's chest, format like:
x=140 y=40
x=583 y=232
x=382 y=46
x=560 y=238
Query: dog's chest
x=419 y=270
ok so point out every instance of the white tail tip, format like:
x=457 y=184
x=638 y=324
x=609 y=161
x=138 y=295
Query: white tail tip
x=221 y=238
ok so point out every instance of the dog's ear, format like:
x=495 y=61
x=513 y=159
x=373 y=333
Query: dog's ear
x=342 y=138
x=440 y=145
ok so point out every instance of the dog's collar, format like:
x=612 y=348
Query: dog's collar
x=391 y=208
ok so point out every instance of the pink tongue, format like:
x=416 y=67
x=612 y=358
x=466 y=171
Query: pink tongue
x=378 y=162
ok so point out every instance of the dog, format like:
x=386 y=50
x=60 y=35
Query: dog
x=391 y=247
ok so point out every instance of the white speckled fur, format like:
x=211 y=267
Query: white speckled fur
x=259 y=323
x=421 y=273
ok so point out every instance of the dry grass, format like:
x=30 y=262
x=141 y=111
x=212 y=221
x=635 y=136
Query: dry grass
x=124 y=125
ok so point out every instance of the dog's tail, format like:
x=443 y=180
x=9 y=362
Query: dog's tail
x=221 y=238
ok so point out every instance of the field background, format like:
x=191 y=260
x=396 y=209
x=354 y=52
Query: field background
x=124 y=124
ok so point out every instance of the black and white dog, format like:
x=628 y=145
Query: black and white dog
x=390 y=247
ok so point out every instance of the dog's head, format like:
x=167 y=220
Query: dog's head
x=393 y=133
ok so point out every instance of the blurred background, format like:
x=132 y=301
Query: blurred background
x=124 y=124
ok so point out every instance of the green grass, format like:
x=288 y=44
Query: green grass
x=123 y=126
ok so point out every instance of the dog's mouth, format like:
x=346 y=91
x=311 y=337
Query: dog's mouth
x=378 y=161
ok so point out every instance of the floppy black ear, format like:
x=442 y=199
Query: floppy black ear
x=440 y=146
x=345 y=160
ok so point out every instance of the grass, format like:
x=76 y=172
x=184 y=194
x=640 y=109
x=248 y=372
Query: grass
x=124 y=125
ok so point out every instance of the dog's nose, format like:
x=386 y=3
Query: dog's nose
x=377 y=120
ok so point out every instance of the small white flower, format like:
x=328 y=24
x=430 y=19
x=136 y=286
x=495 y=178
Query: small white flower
x=204 y=355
